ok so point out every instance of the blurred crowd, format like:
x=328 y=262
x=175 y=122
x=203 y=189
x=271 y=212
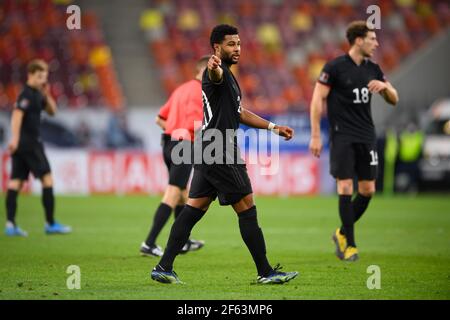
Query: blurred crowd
x=81 y=67
x=284 y=43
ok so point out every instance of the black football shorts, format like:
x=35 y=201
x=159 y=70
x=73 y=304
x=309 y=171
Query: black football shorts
x=350 y=159
x=29 y=160
x=230 y=183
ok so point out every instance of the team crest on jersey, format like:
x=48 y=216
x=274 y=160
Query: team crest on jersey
x=324 y=77
x=24 y=103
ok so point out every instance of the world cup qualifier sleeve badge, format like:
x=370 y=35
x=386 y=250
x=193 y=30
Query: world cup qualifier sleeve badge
x=324 y=77
x=23 y=104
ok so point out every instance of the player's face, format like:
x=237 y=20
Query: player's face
x=230 y=49
x=369 y=44
x=39 y=78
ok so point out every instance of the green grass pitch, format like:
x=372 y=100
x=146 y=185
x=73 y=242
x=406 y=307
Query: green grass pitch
x=407 y=237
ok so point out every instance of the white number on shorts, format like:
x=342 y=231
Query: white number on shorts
x=374 y=156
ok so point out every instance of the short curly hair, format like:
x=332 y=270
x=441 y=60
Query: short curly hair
x=219 y=32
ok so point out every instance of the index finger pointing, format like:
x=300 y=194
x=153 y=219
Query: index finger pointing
x=217 y=53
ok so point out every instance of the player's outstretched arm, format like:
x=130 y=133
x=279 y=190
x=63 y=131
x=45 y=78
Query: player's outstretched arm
x=215 y=72
x=16 y=124
x=385 y=89
x=320 y=94
x=252 y=120
x=50 y=107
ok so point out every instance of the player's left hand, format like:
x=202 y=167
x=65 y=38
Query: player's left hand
x=376 y=86
x=45 y=89
x=285 y=132
x=12 y=146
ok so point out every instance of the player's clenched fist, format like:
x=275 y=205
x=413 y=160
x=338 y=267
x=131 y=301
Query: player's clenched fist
x=376 y=86
x=214 y=62
x=285 y=132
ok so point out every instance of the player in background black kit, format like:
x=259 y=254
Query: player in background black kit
x=27 y=150
x=228 y=181
x=347 y=84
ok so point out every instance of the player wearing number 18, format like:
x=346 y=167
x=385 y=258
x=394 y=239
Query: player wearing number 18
x=347 y=84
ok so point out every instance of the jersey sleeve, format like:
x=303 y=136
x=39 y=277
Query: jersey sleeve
x=327 y=75
x=164 y=111
x=22 y=103
x=206 y=80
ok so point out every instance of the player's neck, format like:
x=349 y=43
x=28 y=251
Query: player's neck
x=356 y=56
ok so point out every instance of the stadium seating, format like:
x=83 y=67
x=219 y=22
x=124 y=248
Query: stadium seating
x=284 y=43
x=82 y=71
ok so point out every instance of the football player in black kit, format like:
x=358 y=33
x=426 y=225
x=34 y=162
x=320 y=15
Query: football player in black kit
x=27 y=151
x=226 y=179
x=347 y=84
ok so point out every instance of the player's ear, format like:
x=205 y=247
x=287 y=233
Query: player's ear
x=359 y=41
x=217 y=50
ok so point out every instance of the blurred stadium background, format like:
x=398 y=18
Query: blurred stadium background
x=110 y=78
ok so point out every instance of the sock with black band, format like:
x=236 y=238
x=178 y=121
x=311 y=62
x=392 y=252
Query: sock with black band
x=178 y=210
x=48 y=201
x=347 y=218
x=179 y=234
x=254 y=239
x=160 y=218
x=11 y=205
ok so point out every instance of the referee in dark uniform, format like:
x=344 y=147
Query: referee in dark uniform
x=27 y=151
x=226 y=177
x=347 y=84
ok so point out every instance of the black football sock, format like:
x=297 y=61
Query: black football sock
x=360 y=204
x=160 y=218
x=11 y=205
x=178 y=210
x=347 y=218
x=254 y=239
x=179 y=234
x=48 y=201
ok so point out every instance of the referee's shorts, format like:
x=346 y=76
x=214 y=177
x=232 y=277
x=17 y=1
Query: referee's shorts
x=178 y=173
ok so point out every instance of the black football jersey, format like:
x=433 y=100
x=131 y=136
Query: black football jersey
x=348 y=102
x=221 y=111
x=31 y=101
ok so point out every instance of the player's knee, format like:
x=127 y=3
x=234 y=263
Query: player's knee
x=183 y=197
x=367 y=191
x=15 y=185
x=47 y=180
x=199 y=203
x=345 y=187
x=244 y=204
x=172 y=196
